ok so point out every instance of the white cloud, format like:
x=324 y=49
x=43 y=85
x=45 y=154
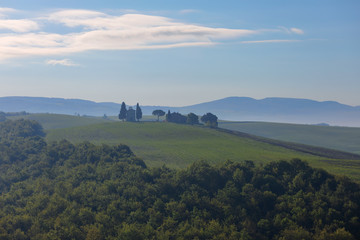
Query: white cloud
x=4 y=11
x=272 y=41
x=74 y=18
x=21 y=25
x=63 y=62
x=297 y=31
x=292 y=30
x=93 y=30
x=16 y=25
x=188 y=11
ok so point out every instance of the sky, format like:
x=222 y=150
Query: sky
x=179 y=53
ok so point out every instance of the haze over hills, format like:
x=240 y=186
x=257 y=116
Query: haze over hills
x=291 y=110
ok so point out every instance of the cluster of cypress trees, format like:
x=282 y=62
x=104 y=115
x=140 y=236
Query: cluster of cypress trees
x=124 y=112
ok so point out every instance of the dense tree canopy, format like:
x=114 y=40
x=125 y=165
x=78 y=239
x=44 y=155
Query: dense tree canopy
x=65 y=191
x=175 y=117
x=210 y=120
x=192 y=119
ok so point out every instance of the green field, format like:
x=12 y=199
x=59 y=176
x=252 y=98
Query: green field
x=159 y=143
x=179 y=145
x=54 y=121
x=174 y=145
x=340 y=138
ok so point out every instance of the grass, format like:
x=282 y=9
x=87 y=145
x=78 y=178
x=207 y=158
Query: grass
x=340 y=138
x=55 y=121
x=176 y=146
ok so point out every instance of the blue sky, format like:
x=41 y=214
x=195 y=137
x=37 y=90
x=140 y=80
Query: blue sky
x=180 y=52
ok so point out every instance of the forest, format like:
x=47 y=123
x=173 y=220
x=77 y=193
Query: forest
x=61 y=190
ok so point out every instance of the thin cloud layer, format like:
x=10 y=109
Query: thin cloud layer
x=93 y=30
x=293 y=30
x=272 y=41
x=297 y=31
x=63 y=62
x=5 y=11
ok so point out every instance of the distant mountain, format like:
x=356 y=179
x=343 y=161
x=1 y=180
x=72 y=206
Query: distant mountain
x=57 y=105
x=291 y=110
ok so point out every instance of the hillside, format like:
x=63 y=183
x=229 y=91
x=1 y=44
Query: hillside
x=54 y=121
x=160 y=152
x=83 y=191
x=179 y=145
x=290 y=110
x=340 y=138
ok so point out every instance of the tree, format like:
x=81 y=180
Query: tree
x=2 y=116
x=210 y=120
x=123 y=111
x=175 y=117
x=192 y=119
x=159 y=113
x=138 y=112
x=168 y=116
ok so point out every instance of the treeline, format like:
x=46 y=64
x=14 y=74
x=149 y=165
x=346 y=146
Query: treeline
x=83 y=191
x=3 y=115
x=208 y=119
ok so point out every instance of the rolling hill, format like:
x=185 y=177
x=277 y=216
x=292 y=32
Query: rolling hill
x=340 y=138
x=178 y=146
x=290 y=110
x=54 y=121
x=84 y=191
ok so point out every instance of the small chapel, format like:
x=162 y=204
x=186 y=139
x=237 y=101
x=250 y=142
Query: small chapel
x=130 y=115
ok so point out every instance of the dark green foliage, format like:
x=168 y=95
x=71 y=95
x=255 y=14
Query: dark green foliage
x=2 y=116
x=20 y=128
x=192 y=119
x=123 y=111
x=210 y=120
x=138 y=112
x=84 y=191
x=158 y=113
x=175 y=117
x=168 y=116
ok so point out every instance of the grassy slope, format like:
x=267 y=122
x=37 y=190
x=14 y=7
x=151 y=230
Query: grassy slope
x=341 y=138
x=179 y=145
x=54 y=121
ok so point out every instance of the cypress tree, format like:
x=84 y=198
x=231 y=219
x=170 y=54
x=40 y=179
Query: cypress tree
x=123 y=111
x=168 y=116
x=138 y=112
